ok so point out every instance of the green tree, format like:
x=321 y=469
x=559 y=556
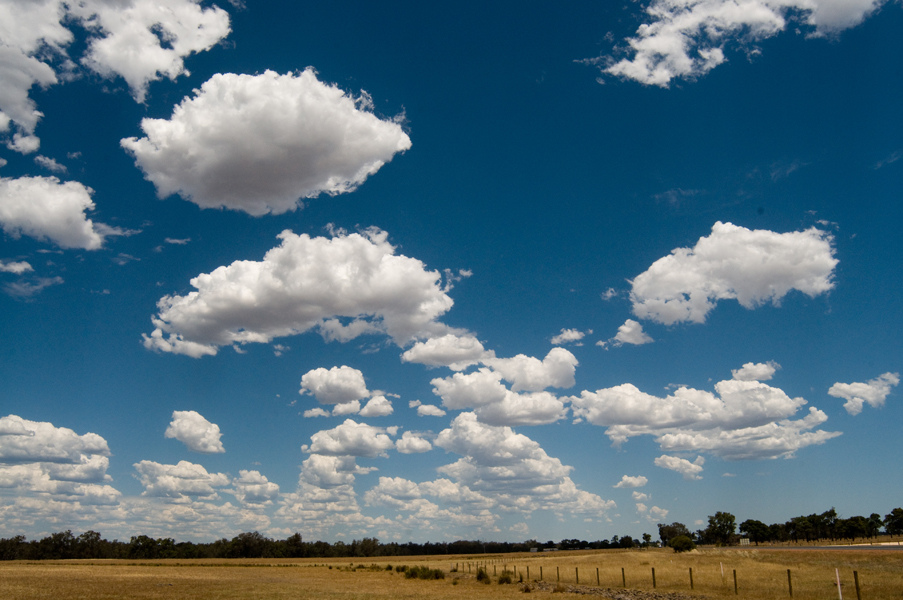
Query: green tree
x=682 y=543
x=756 y=531
x=721 y=528
x=893 y=522
x=667 y=532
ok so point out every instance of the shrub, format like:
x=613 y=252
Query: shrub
x=483 y=576
x=681 y=543
x=424 y=573
x=506 y=577
x=401 y=568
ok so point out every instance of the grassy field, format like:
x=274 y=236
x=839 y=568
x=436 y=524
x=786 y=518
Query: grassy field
x=761 y=574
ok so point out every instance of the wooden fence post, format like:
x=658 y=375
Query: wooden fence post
x=597 y=577
x=577 y=574
x=653 y=577
x=557 y=574
x=736 y=591
x=623 y=578
x=691 y=578
x=540 y=572
x=856 y=580
x=789 y=583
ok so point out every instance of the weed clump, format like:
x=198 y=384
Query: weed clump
x=401 y=568
x=424 y=573
x=483 y=576
x=506 y=577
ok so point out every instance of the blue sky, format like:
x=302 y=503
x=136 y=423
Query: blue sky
x=424 y=273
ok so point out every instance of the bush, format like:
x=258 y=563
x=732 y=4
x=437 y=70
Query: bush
x=424 y=573
x=483 y=576
x=506 y=577
x=682 y=543
x=401 y=568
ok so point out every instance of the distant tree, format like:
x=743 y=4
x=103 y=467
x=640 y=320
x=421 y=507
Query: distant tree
x=893 y=522
x=90 y=545
x=647 y=540
x=874 y=525
x=682 y=543
x=756 y=531
x=721 y=528
x=667 y=532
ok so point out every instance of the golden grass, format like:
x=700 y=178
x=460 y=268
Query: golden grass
x=761 y=575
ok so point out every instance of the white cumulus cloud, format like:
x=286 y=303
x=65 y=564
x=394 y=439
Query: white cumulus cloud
x=196 y=432
x=139 y=40
x=411 y=443
x=302 y=284
x=260 y=143
x=45 y=208
x=631 y=332
x=630 y=481
x=874 y=392
x=741 y=420
x=690 y=470
x=528 y=373
x=178 y=481
x=14 y=267
x=334 y=386
x=252 y=488
x=350 y=439
x=753 y=267
x=687 y=38
x=377 y=406
x=454 y=351
x=568 y=336
x=756 y=371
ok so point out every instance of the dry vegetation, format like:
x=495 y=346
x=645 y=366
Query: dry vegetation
x=761 y=574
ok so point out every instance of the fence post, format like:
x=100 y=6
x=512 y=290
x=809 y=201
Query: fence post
x=528 y=572
x=653 y=577
x=856 y=580
x=736 y=591
x=557 y=574
x=540 y=572
x=577 y=574
x=839 y=591
x=691 y=578
x=789 y=583
x=597 y=577
x=623 y=578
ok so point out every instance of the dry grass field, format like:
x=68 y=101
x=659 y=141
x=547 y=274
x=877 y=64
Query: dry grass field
x=761 y=574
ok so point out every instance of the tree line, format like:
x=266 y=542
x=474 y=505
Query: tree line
x=721 y=530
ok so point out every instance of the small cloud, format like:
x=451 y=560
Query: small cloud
x=28 y=289
x=628 y=481
x=50 y=164
x=889 y=160
x=569 y=336
x=17 y=268
x=729 y=475
x=631 y=332
x=315 y=412
x=610 y=293
x=690 y=470
x=873 y=393
x=196 y=432
x=177 y=242
x=756 y=371
x=429 y=410
x=279 y=349
x=123 y=259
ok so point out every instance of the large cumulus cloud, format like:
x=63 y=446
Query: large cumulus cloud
x=259 y=143
x=753 y=267
x=303 y=284
x=743 y=419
